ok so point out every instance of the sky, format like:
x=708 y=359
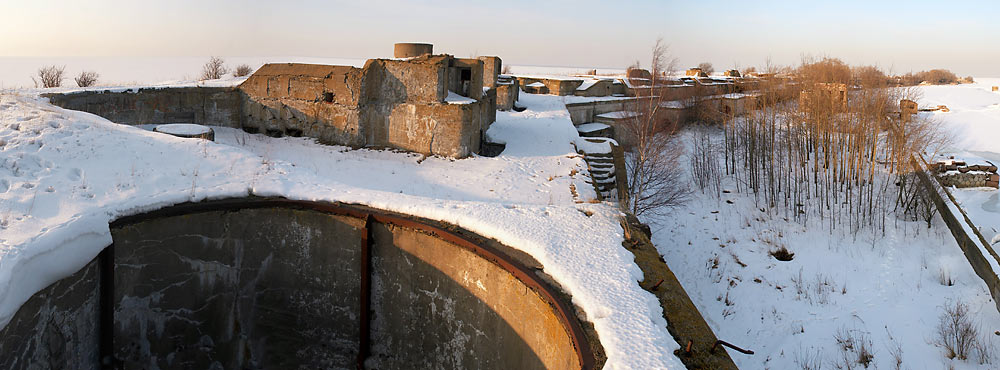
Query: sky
x=898 y=36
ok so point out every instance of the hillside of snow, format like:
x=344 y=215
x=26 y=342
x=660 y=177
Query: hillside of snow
x=885 y=290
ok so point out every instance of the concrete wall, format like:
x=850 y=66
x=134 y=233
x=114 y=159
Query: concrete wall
x=57 y=328
x=388 y=103
x=278 y=287
x=219 y=106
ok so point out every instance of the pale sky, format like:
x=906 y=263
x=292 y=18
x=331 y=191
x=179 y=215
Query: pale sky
x=901 y=35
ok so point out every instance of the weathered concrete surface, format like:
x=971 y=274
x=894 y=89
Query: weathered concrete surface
x=440 y=306
x=388 y=103
x=259 y=288
x=217 y=106
x=411 y=49
x=57 y=328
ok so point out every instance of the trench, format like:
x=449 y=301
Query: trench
x=267 y=283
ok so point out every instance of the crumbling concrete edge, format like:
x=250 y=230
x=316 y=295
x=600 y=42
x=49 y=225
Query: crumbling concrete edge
x=684 y=322
x=969 y=239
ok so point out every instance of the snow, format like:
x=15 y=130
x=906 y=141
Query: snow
x=535 y=84
x=64 y=175
x=188 y=129
x=618 y=115
x=887 y=287
x=591 y=127
x=454 y=98
x=973 y=123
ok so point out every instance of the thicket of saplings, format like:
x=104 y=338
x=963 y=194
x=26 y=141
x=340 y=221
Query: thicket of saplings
x=849 y=164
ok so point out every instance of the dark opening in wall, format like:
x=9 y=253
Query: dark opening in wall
x=328 y=96
x=466 y=78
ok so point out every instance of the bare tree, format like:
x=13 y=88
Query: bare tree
x=242 y=70
x=86 y=78
x=214 y=69
x=652 y=152
x=50 y=76
x=707 y=68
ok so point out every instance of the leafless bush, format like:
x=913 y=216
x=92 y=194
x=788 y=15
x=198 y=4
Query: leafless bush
x=956 y=332
x=705 y=168
x=242 y=70
x=652 y=150
x=707 y=68
x=855 y=348
x=86 y=78
x=826 y=70
x=214 y=69
x=809 y=360
x=896 y=350
x=50 y=76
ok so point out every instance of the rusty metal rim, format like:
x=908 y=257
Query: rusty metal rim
x=515 y=268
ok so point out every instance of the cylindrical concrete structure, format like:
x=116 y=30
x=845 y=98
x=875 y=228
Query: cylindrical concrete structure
x=411 y=49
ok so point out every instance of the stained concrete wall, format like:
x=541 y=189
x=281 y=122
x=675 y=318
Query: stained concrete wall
x=218 y=106
x=57 y=328
x=388 y=103
x=277 y=288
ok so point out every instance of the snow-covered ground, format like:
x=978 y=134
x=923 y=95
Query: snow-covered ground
x=64 y=175
x=973 y=124
x=887 y=289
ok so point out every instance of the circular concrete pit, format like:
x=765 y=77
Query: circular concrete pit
x=275 y=284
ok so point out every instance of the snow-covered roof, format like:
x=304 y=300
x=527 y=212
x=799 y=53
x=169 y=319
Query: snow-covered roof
x=591 y=127
x=454 y=98
x=618 y=114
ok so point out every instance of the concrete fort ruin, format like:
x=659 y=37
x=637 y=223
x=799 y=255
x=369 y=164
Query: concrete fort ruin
x=419 y=102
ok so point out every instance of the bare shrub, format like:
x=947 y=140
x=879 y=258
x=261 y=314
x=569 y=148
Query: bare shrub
x=855 y=348
x=86 y=78
x=652 y=150
x=706 y=171
x=826 y=70
x=896 y=350
x=214 y=69
x=242 y=70
x=956 y=332
x=707 y=68
x=50 y=76
x=809 y=360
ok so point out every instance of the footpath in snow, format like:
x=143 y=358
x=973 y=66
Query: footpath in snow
x=64 y=175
